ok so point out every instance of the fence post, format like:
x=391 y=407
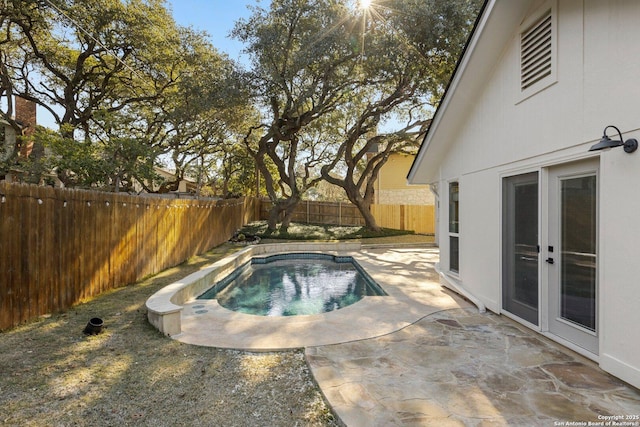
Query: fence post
x=307 y=211
x=339 y=213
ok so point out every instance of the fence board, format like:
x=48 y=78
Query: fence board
x=418 y=218
x=7 y=250
x=29 y=270
x=45 y=283
x=60 y=246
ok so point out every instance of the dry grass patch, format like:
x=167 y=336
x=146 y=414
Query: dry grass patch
x=52 y=374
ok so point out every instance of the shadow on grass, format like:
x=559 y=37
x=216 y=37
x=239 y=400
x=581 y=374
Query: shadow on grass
x=130 y=374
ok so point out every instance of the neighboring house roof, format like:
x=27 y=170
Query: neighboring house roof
x=166 y=173
x=492 y=31
x=5 y=123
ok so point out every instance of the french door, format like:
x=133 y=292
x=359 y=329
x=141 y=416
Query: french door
x=555 y=258
x=571 y=254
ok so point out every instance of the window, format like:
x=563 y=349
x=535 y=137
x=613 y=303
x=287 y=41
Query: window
x=537 y=51
x=454 y=226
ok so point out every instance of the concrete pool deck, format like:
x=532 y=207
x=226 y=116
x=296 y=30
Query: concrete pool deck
x=423 y=356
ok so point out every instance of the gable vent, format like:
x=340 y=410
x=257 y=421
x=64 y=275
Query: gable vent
x=536 y=52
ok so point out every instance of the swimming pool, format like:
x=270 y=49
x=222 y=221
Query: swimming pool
x=412 y=288
x=294 y=284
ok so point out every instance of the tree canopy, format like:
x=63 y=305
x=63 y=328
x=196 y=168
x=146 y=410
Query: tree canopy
x=124 y=83
x=331 y=91
x=341 y=88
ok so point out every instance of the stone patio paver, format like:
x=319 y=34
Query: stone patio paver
x=460 y=368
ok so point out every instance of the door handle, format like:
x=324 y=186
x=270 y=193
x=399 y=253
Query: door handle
x=549 y=261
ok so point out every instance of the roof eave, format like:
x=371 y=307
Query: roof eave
x=492 y=30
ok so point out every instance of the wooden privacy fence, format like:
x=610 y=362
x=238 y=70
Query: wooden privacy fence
x=59 y=246
x=419 y=218
x=307 y=212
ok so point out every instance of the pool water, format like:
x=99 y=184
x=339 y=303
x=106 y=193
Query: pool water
x=294 y=284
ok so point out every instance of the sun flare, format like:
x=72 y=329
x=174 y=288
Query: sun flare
x=364 y=4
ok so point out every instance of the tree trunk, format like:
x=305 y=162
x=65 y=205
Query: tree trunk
x=363 y=204
x=288 y=214
x=369 y=220
x=272 y=222
x=288 y=207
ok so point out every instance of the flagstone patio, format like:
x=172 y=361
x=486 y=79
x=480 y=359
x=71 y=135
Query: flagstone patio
x=461 y=368
x=424 y=356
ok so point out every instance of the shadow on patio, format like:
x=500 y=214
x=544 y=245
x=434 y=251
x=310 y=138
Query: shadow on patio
x=459 y=367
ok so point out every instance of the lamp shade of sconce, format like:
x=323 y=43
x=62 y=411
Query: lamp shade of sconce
x=630 y=145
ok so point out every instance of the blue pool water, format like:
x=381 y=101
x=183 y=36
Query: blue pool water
x=293 y=284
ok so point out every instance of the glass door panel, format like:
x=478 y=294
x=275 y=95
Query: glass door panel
x=520 y=246
x=572 y=253
x=578 y=256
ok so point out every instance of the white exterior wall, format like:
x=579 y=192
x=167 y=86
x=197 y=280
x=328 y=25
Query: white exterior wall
x=619 y=266
x=598 y=84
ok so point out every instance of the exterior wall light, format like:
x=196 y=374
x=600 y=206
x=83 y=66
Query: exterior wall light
x=630 y=145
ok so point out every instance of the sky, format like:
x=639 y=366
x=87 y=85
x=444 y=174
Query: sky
x=216 y=17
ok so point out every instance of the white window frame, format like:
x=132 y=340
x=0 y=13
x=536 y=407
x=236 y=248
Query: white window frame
x=453 y=234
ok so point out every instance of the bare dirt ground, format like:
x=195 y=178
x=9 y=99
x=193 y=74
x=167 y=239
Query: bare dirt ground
x=51 y=374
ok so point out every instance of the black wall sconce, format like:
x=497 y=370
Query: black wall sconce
x=630 y=145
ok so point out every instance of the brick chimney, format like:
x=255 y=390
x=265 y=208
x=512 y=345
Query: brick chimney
x=25 y=115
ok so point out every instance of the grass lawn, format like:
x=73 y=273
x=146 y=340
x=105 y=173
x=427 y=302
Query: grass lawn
x=130 y=374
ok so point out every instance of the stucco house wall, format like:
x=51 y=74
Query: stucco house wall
x=486 y=130
x=391 y=186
